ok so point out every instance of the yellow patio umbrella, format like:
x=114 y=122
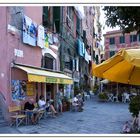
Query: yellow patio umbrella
x=123 y=67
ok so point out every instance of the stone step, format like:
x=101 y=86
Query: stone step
x=0 y=112
x=1 y=116
x=2 y=120
x=4 y=123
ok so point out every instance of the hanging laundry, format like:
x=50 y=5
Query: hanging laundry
x=29 y=31
x=41 y=37
x=46 y=41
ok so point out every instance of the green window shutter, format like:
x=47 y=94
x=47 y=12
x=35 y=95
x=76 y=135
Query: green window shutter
x=45 y=16
x=122 y=39
x=56 y=18
x=112 y=40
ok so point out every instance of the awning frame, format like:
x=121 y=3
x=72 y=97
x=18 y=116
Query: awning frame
x=36 y=74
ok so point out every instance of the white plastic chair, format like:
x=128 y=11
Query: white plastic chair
x=126 y=98
x=115 y=98
x=91 y=94
x=86 y=96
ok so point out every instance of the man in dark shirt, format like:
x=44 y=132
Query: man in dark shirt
x=29 y=106
x=29 y=109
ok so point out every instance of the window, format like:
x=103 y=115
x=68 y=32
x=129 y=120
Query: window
x=97 y=59
x=47 y=62
x=69 y=64
x=93 y=55
x=45 y=16
x=56 y=18
x=84 y=34
x=112 y=53
x=112 y=41
x=122 y=39
x=78 y=24
x=133 y=38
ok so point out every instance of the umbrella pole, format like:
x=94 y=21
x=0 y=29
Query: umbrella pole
x=117 y=91
x=139 y=121
x=100 y=87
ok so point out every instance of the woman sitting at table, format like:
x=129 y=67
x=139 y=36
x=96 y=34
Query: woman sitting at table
x=30 y=110
x=46 y=105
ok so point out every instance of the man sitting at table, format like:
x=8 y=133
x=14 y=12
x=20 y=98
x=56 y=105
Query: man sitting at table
x=30 y=110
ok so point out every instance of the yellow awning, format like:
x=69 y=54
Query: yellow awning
x=39 y=75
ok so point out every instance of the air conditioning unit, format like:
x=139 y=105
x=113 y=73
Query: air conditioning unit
x=69 y=22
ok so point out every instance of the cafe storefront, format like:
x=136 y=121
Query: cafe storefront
x=36 y=81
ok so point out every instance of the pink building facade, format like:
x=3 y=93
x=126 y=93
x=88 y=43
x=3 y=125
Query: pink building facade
x=18 y=59
x=115 y=40
x=11 y=41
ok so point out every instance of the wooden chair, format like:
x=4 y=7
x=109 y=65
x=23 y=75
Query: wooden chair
x=49 y=113
x=17 y=116
x=41 y=112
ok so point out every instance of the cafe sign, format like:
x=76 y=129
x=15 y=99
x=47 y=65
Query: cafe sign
x=58 y=80
x=46 y=79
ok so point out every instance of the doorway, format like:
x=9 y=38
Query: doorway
x=49 y=91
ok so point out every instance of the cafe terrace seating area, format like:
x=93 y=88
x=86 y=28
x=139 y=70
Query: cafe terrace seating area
x=18 y=116
x=122 y=93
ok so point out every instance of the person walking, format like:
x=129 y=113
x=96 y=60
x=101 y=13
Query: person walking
x=58 y=99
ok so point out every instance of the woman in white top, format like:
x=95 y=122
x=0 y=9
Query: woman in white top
x=46 y=105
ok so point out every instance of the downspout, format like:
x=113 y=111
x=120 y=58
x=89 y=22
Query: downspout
x=61 y=42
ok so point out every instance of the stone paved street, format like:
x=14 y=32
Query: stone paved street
x=97 y=118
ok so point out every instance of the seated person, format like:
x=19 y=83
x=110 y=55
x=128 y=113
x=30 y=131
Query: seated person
x=135 y=123
x=46 y=105
x=75 y=101
x=80 y=102
x=75 y=105
x=41 y=103
x=126 y=128
x=29 y=108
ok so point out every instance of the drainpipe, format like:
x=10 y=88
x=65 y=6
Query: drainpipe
x=61 y=43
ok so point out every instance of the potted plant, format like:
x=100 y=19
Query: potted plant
x=103 y=97
x=134 y=108
x=95 y=89
x=66 y=104
x=76 y=90
x=134 y=105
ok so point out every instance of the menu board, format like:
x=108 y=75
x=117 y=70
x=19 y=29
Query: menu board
x=30 y=89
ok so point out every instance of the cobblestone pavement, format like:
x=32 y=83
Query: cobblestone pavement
x=97 y=118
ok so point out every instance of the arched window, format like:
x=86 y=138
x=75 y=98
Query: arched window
x=48 y=62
